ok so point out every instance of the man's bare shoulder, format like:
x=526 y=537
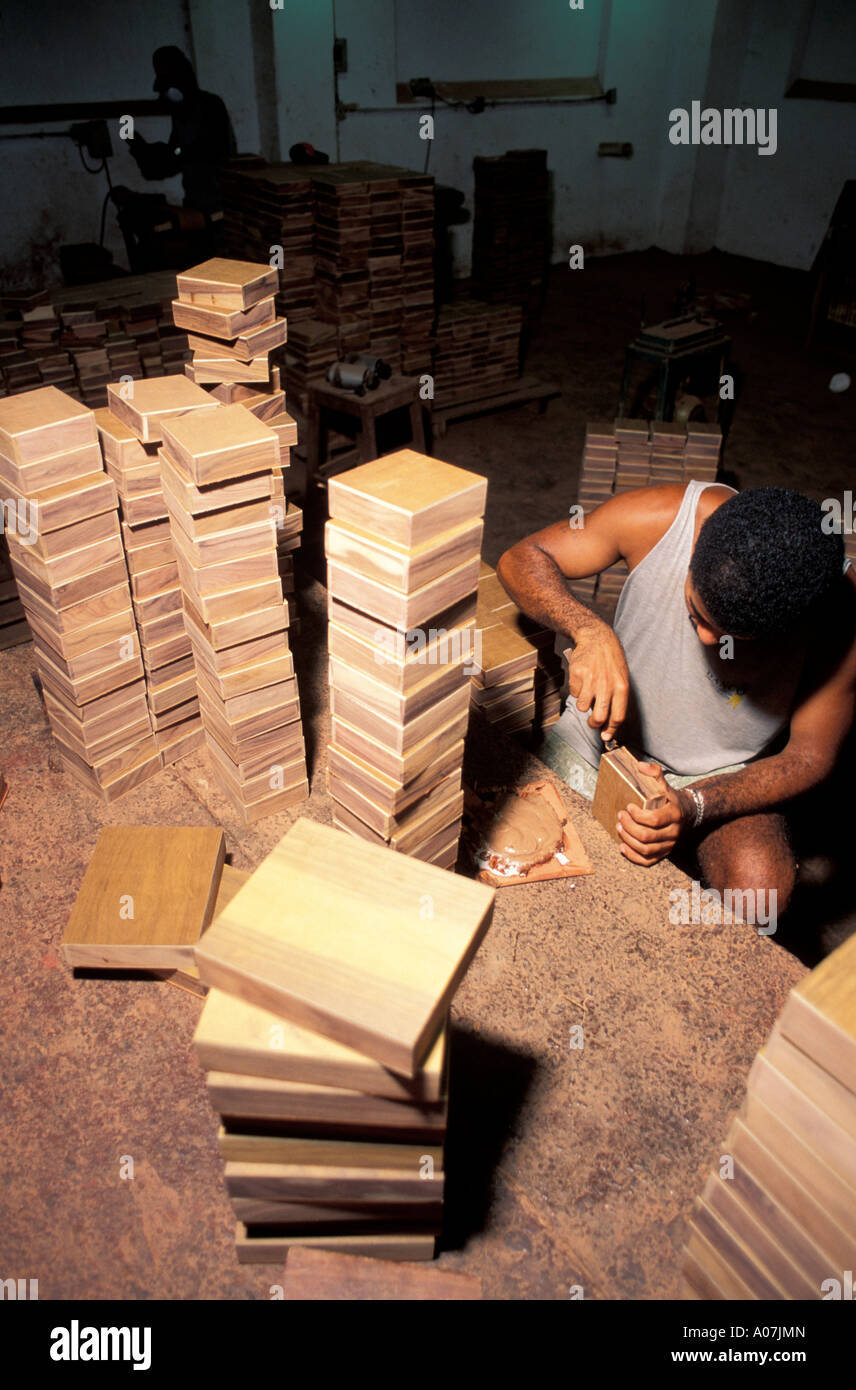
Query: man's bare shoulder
x=642 y=517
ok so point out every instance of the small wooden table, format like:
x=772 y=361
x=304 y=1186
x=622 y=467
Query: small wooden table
x=397 y=393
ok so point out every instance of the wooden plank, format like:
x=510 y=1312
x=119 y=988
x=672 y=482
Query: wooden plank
x=256 y=342
x=147 y=894
x=144 y=405
x=291 y=1103
x=179 y=486
x=762 y=1282
x=830 y=1095
x=327 y=1275
x=385 y=793
x=352 y=958
x=308 y=1218
x=400 y=767
x=438 y=682
x=820 y=1014
x=239 y=1037
x=777 y=1260
x=239 y=1146
x=293 y=1182
x=407 y=497
x=210 y=450
x=272 y=1249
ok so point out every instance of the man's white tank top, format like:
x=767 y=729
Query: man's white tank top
x=694 y=708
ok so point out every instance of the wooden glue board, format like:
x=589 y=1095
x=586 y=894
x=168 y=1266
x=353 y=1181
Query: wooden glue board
x=313 y=1275
x=167 y=876
x=619 y=785
x=400 y=567
x=151 y=401
x=257 y=1098
x=820 y=1014
x=210 y=450
x=407 y=497
x=300 y=1182
x=272 y=1249
x=235 y=1036
x=221 y=281
x=35 y=425
x=334 y=935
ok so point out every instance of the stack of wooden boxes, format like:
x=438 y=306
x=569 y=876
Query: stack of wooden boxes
x=325 y=1039
x=511 y=228
x=131 y=431
x=777 y=1218
x=221 y=473
x=274 y=205
x=67 y=556
x=403 y=546
x=477 y=351
x=517 y=676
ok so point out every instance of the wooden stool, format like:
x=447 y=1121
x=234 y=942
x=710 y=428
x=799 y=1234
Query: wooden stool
x=397 y=393
x=674 y=347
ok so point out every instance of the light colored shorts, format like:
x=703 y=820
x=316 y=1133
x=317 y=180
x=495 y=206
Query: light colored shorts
x=581 y=777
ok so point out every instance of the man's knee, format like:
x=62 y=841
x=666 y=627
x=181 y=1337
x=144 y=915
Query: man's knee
x=748 y=863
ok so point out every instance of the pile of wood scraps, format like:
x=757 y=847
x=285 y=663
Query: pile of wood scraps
x=73 y=583
x=325 y=1039
x=777 y=1217
x=517 y=676
x=403 y=552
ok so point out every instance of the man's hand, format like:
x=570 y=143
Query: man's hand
x=598 y=679
x=648 y=836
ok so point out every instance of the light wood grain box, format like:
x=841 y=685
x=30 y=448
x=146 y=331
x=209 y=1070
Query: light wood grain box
x=206 y=581
x=146 y=583
x=397 y=642
x=80 y=615
x=66 y=504
x=125 y=647
x=503 y=654
x=307 y=1218
x=326 y=1276
x=238 y=708
x=145 y=508
x=235 y=669
x=106 y=768
x=808 y=1121
x=239 y=1146
x=103 y=706
x=398 y=567
x=215 y=370
x=182 y=491
x=737 y=1259
x=71 y=593
x=170 y=874
x=300 y=1103
x=222 y=323
x=172 y=685
x=188 y=709
x=180 y=739
x=167 y=600
x=255 y=343
x=51 y=545
x=155 y=400
x=220 y=536
x=249 y=790
x=84 y=691
x=221 y=635
x=100 y=737
x=401 y=767
x=213 y=450
x=265 y=405
x=32 y=479
x=148 y=766
x=619 y=785
x=397 y=609
x=407 y=497
x=273 y=1249
x=417 y=830
x=138 y=537
x=377 y=661
x=74 y=564
x=371 y=1187
x=398 y=737
x=227 y=284
x=387 y=794
x=725 y=1205
x=135 y=480
x=384 y=700
x=146 y=556
x=159 y=629
x=385 y=824
x=240 y=597
x=284 y=427
x=442 y=848
x=273 y=805
x=820 y=1014
x=253 y=756
x=74 y=644
x=36 y=425
x=373 y=974
x=235 y=1036
x=273 y=716
x=159 y=654
x=120 y=444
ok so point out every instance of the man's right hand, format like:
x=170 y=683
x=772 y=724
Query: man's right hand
x=598 y=678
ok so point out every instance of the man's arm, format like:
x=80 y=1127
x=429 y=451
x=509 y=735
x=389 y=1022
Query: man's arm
x=821 y=721
x=535 y=570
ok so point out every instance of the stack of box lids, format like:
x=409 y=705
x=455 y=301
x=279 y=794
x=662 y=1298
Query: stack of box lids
x=516 y=674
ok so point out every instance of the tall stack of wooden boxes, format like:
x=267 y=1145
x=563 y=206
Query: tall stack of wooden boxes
x=777 y=1218
x=477 y=351
x=624 y=454
x=67 y=555
x=325 y=1040
x=517 y=676
x=403 y=552
x=220 y=469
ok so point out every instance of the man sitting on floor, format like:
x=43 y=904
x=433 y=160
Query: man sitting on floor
x=731 y=665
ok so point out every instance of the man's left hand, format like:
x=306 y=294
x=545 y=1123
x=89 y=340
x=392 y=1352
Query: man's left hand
x=648 y=836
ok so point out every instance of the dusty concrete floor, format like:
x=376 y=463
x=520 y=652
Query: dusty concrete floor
x=566 y=1166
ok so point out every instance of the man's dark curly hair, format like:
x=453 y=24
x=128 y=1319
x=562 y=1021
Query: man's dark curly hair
x=761 y=560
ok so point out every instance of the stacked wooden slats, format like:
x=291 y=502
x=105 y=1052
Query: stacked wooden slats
x=324 y=1036
x=624 y=454
x=517 y=676
x=222 y=479
x=477 y=351
x=274 y=205
x=13 y=622
x=403 y=546
x=73 y=583
x=511 y=228
x=777 y=1218
x=131 y=431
